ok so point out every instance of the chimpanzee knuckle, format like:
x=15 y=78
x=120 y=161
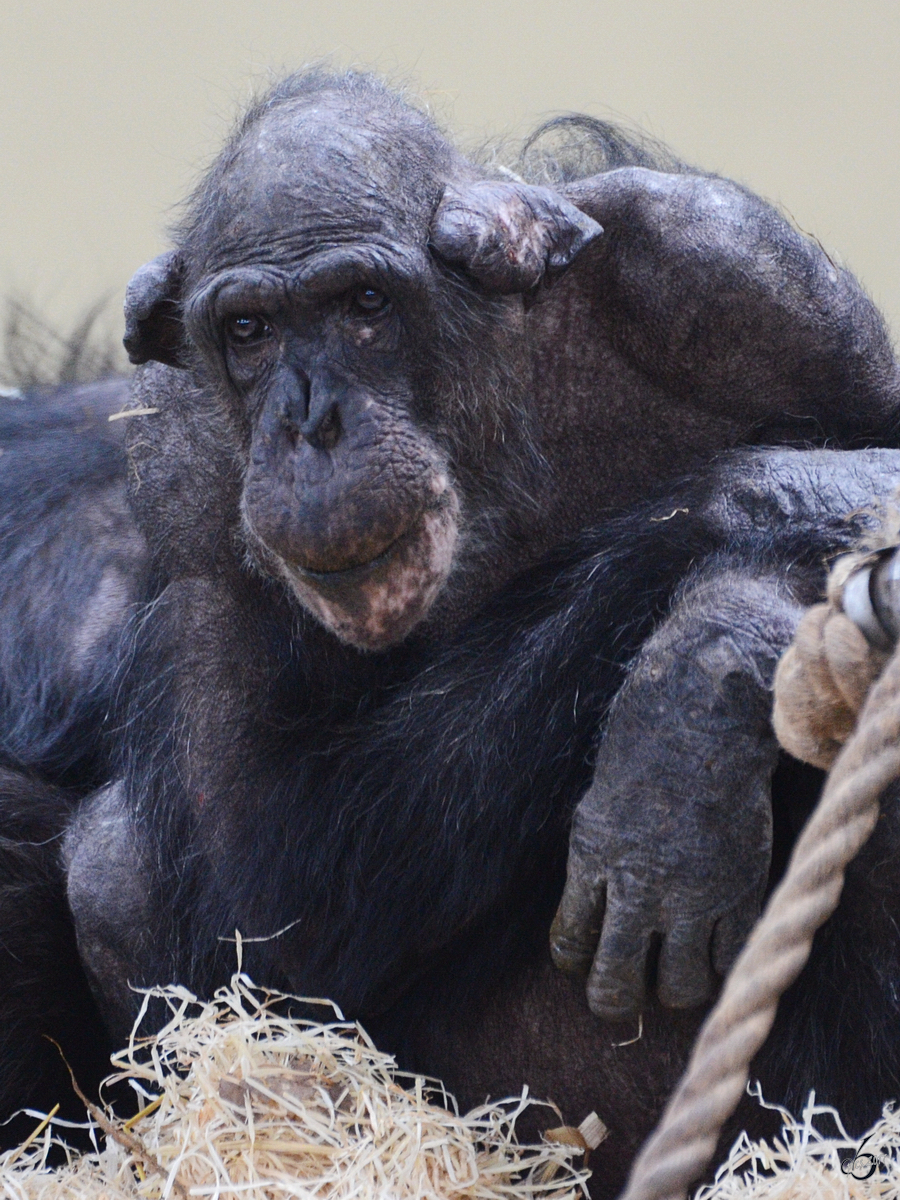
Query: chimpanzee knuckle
x=685 y=976
x=714 y=696
x=576 y=927
x=573 y=943
x=509 y=236
x=732 y=679
x=687 y=984
x=570 y=954
x=461 y=226
x=617 y=983
x=614 y=1000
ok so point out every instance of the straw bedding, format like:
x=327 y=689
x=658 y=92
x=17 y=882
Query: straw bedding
x=240 y=1102
x=804 y=1163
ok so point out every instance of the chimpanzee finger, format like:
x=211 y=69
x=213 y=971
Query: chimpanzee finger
x=685 y=977
x=576 y=927
x=618 y=979
x=730 y=934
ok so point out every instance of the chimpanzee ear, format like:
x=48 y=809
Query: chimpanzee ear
x=153 y=325
x=509 y=236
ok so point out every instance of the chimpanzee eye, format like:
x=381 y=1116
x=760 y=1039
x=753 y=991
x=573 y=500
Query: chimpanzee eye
x=369 y=300
x=247 y=330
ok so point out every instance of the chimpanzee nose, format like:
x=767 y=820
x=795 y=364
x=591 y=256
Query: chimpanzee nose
x=293 y=385
x=322 y=427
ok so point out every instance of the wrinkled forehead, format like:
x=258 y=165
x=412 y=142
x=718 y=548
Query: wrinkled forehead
x=314 y=175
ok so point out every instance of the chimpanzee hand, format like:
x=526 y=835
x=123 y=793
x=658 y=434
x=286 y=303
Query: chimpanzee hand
x=673 y=838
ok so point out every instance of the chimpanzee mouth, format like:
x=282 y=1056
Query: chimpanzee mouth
x=360 y=571
x=375 y=604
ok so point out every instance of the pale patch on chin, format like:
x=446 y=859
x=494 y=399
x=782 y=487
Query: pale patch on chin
x=380 y=608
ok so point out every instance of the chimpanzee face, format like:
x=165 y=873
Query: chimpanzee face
x=346 y=493
x=317 y=290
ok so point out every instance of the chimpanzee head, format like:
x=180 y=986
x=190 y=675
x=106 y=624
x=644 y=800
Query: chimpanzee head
x=353 y=291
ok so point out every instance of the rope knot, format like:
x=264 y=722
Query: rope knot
x=826 y=673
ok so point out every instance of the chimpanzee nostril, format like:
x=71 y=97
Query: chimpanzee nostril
x=326 y=433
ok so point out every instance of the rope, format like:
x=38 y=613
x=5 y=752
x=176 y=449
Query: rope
x=824 y=677
x=681 y=1147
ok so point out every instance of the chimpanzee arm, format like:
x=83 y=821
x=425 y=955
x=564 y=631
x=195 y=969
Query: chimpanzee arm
x=672 y=839
x=674 y=836
x=710 y=293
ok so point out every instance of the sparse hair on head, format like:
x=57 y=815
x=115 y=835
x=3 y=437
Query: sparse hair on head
x=372 y=93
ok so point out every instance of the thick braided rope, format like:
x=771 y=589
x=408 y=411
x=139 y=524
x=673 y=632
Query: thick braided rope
x=681 y=1147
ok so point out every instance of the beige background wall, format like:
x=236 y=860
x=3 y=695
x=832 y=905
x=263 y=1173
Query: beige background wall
x=108 y=108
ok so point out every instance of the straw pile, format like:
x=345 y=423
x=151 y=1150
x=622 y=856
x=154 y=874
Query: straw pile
x=806 y=1164
x=242 y=1103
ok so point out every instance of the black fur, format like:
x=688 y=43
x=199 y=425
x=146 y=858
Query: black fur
x=410 y=810
x=409 y=819
x=45 y=993
x=73 y=564
x=447 y=773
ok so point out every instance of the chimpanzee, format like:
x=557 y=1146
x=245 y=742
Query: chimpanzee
x=392 y=406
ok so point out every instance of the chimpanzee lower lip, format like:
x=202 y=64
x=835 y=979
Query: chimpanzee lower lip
x=361 y=570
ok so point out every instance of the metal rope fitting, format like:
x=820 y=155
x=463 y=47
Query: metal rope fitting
x=871 y=599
